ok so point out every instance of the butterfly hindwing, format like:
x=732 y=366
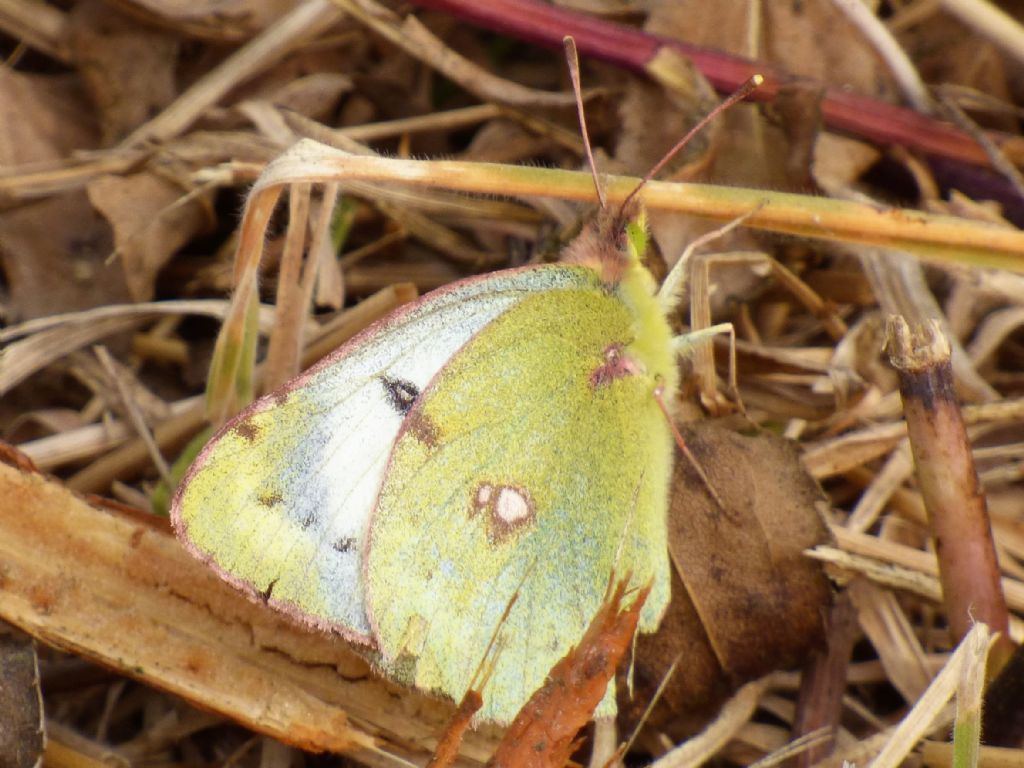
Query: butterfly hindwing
x=532 y=465
x=279 y=501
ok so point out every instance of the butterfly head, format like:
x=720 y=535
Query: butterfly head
x=612 y=244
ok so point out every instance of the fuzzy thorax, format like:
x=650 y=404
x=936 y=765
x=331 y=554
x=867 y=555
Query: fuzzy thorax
x=613 y=246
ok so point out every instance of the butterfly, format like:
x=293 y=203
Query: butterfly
x=462 y=478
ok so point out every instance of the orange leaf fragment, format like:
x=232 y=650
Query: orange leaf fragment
x=543 y=735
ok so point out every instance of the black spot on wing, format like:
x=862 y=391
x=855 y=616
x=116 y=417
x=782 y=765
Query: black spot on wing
x=347 y=544
x=269 y=498
x=401 y=393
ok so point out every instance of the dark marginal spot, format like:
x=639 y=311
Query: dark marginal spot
x=308 y=520
x=247 y=431
x=266 y=593
x=346 y=544
x=423 y=429
x=269 y=498
x=401 y=394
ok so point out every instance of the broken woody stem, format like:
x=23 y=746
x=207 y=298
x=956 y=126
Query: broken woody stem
x=949 y=485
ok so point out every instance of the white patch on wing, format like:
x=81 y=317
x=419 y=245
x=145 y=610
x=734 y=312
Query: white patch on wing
x=483 y=495
x=340 y=464
x=511 y=506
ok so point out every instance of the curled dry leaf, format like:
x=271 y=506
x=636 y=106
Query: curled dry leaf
x=745 y=600
x=150 y=223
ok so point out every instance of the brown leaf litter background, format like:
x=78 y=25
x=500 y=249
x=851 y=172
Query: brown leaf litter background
x=810 y=613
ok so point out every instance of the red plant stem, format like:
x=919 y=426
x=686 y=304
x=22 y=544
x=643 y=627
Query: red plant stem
x=634 y=49
x=955 y=503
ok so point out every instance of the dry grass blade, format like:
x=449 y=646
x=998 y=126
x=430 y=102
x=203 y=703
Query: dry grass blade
x=307 y=20
x=932 y=706
x=931 y=237
x=419 y=41
x=734 y=715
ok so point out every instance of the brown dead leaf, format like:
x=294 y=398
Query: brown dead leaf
x=505 y=141
x=839 y=161
x=150 y=223
x=127 y=68
x=54 y=253
x=772 y=152
x=21 y=701
x=42 y=117
x=316 y=96
x=543 y=735
x=948 y=53
x=791 y=36
x=746 y=601
x=643 y=141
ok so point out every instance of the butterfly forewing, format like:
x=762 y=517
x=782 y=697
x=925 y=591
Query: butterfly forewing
x=279 y=501
x=531 y=466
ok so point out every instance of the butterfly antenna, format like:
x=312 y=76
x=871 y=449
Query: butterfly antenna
x=736 y=96
x=573 y=60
